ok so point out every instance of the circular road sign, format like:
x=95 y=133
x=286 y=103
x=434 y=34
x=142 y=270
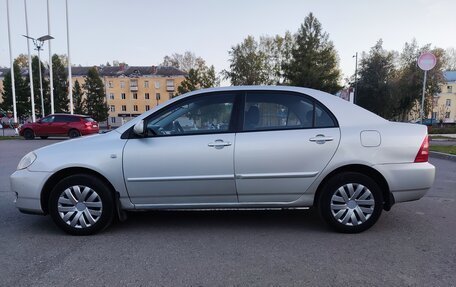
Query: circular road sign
x=427 y=61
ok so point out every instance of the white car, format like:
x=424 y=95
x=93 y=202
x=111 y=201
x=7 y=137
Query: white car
x=240 y=147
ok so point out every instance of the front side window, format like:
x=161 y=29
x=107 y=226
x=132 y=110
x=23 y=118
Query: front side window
x=201 y=115
x=271 y=111
x=49 y=119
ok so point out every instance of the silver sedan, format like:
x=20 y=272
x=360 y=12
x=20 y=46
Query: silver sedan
x=234 y=147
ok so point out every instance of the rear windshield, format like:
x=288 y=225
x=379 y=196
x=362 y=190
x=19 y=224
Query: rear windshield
x=88 y=119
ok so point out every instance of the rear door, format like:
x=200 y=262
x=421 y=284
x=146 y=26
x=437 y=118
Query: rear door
x=286 y=141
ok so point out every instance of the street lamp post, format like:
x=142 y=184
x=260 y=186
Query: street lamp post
x=356 y=78
x=39 y=46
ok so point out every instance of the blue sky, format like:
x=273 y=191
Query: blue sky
x=141 y=32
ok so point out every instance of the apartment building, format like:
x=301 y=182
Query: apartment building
x=444 y=108
x=132 y=90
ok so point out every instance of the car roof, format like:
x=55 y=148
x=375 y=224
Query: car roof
x=347 y=114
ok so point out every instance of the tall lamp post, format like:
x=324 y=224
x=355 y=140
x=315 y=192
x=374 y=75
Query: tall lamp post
x=39 y=46
x=356 y=77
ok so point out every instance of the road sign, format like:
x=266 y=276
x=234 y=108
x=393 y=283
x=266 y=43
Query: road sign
x=427 y=61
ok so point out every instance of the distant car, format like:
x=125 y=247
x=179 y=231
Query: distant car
x=60 y=125
x=240 y=147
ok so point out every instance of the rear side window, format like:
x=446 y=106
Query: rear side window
x=88 y=119
x=277 y=111
x=66 y=119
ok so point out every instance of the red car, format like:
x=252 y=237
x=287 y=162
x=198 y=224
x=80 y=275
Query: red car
x=60 y=125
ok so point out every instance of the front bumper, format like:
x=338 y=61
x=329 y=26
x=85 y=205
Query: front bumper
x=28 y=185
x=408 y=181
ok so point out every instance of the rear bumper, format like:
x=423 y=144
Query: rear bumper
x=89 y=131
x=408 y=181
x=28 y=185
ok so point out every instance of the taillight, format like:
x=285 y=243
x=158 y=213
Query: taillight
x=423 y=153
x=88 y=124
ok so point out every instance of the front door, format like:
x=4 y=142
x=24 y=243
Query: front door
x=187 y=156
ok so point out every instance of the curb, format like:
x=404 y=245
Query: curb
x=442 y=155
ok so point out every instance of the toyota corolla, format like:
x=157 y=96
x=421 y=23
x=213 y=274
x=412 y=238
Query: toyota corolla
x=234 y=147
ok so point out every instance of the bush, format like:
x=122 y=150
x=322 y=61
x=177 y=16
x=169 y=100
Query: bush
x=444 y=130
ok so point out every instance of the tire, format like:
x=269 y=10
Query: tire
x=74 y=133
x=81 y=204
x=44 y=138
x=350 y=202
x=29 y=134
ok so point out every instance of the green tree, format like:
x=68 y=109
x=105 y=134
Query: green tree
x=78 y=99
x=36 y=88
x=185 y=62
x=248 y=64
x=95 y=96
x=278 y=51
x=198 y=78
x=314 y=62
x=61 y=101
x=23 y=107
x=376 y=81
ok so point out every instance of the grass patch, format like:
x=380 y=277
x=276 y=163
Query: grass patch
x=451 y=149
x=441 y=138
x=10 y=138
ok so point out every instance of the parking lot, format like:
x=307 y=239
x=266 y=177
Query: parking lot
x=412 y=245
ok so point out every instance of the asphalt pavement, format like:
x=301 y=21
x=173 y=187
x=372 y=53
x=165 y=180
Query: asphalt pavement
x=412 y=245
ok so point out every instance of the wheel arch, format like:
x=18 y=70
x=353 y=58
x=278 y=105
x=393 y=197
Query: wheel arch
x=56 y=177
x=388 y=199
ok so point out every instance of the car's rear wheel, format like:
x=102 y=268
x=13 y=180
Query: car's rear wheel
x=350 y=202
x=81 y=205
x=74 y=133
x=44 y=138
x=29 y=134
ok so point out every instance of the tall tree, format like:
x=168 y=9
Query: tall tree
x=22 y=93
x=36 y=88
x=198 y=78
x=95 y=96
x=79 y=106
x=376 y=80
x=278 y=51
x=248 y=64
x=315 y=61
x=61 y=101
x=185 y=62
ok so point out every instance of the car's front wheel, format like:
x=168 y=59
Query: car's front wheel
x=81 y=204
x=350 y=202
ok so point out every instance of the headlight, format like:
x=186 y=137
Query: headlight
x=26 y=161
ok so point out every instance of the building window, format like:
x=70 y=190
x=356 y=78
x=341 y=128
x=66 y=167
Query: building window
x=135 y=108
x=146 y=96
x=111 y=96
x=113 y=120
x=157 y=85
x=450 y=89
x=122 y=84
x=147 y=107
x=146 y=84
x=122 y=96
x=447 y=115
x=169 y=83
x=157 y=96
x=124 y=108
x=135 y=96
x=110 y=84
x=171 y=95
x=448 y=103
x=134 y=83
x=434 y=115
x=113 y=108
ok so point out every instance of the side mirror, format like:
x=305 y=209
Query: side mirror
x=139 y=128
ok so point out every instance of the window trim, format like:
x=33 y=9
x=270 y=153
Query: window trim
x=315 y=102
x=232 y=127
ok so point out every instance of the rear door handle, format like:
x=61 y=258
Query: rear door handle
x=321 y=139
x=218 y=144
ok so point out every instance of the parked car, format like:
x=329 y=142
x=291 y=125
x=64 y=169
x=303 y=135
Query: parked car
x=240 y=147
x=60 y=125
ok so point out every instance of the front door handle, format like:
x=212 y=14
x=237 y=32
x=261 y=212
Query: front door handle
x=321 y=139
x=218 y=144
